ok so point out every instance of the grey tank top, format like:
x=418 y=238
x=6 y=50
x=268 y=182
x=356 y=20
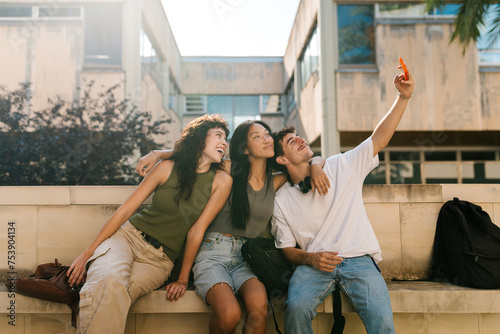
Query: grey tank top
x=261 y=209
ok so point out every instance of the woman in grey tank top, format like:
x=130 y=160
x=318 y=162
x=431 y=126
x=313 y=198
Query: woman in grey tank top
x=220 y=271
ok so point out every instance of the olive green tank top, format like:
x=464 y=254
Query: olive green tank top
x=168 y=222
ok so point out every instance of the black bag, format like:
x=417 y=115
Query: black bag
x=466 y=246
x=269 y=264
x=49 y=282
x=274 y=271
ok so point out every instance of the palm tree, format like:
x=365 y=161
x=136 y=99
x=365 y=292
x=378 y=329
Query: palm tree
x=471 y=17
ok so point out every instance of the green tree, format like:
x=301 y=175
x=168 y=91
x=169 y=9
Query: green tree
x=88 y=142
x=471 y=17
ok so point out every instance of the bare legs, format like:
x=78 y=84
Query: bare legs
x=255 y=299
x=227 y=311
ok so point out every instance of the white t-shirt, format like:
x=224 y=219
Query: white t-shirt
x=336 y=222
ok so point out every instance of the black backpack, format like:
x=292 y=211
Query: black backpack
x=274 y=271
x=269 y=264
x=466 y=246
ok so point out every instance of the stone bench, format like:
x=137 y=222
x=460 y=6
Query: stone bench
x=419 y=302
x=403 y=218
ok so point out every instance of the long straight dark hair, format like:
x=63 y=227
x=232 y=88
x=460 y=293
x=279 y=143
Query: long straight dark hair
x=240 y=171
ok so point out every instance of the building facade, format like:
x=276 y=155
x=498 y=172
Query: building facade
x=339 y=65
x=334 y=82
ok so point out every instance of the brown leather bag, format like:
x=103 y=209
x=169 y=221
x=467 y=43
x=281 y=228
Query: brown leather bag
x=49 y=282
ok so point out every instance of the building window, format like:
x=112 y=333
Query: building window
x=16 y=12
x=377 y=175
x=173 y=92
x=234 y=108
x=290 y=97
x=103 y=35
x=356 y=34
x=436 y=166
x=414 y=10
x=59 y=12
x=309 y=62
x=55 y=11
x=151 y=62
x=270 y=103
x=489 y=56
x=449 y=9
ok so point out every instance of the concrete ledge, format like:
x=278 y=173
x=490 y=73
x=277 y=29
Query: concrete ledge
x=406 y=297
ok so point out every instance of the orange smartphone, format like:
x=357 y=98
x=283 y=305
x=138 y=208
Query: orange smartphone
x=403 y=68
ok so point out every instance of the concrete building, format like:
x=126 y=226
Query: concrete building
x=339 y=63
x=334 y=82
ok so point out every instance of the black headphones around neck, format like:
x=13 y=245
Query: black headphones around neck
x=305 y=185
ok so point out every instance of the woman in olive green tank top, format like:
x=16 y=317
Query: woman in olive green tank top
x=133 y=255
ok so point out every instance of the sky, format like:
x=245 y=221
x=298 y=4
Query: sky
x=234 y=28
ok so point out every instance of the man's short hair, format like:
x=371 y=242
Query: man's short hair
x=278 y=146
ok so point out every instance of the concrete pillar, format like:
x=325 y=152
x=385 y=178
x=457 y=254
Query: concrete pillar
x=327 y=22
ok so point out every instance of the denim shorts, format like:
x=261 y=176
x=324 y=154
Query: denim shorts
x=219 y=260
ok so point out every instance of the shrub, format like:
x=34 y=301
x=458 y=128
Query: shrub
x=92 y=141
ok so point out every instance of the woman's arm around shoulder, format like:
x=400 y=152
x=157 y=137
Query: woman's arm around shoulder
x=148 y=161
x=158 y=175
x=319 y=179
x=221 y=188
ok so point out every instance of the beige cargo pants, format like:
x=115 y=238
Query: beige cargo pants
x=123 y=268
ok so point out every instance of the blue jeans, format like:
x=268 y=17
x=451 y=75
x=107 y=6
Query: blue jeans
x=360 y=280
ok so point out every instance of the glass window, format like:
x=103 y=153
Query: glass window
x=309 y=61
x=16 y=12
x=449 y=9
x=356 y=34
x=151 y=61
x=440 y=156
x=478 y=155
x=246 y=105
x=405 y=173
x=173 y=92
x=401 y=10
x=234 y=108
x=314 y=47
x=103 y=35
x=270 y=103
x=376 y=176
x=414 y=10
x=290 y=97
x=404 y=156
x=222 y=105
x=489 y=56
x=58 y=11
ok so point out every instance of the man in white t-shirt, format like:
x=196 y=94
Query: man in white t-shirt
x=338 y=248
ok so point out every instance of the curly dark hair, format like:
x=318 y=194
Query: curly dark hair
x=188 y=151
x=278 y=146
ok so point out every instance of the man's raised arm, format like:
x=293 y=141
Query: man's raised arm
x=387 y=126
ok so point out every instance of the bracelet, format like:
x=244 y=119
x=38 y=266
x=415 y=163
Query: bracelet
x=157 y=156
x=403 y=97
